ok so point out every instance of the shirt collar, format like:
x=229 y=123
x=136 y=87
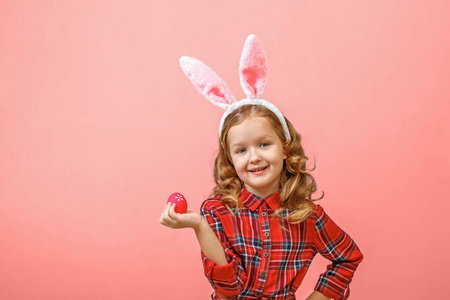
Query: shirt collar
x=252 y=202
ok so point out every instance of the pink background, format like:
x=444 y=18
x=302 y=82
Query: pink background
x=98 y=126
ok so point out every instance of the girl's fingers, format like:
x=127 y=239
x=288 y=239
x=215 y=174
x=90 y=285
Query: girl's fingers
x=171 y=211
x=172 y=219
x=165 y=218
x=167 y=211
x=173 y=215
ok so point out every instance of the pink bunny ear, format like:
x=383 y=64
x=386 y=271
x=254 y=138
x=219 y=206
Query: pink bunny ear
x=252 y=68
x=207 y=82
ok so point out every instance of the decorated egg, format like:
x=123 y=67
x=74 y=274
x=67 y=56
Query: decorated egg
x=179 y=201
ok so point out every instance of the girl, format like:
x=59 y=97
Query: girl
x=260 y=229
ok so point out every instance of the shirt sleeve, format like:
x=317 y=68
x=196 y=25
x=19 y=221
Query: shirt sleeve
x=337 y=246
x=227 y=280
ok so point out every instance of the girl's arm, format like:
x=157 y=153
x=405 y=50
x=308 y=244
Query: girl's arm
x=209 y=243
x=226 y=277
x=223 y=266
x=336 y=245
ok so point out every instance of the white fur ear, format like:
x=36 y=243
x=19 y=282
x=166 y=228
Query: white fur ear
x=207 y=82
x=253 y=68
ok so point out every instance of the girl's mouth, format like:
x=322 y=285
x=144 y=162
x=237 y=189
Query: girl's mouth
x=256 y=170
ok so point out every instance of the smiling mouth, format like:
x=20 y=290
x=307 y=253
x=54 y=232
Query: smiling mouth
x=259 y=169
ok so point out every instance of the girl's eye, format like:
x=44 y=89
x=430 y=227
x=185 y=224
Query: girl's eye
x=264 y=144
x=242 y=150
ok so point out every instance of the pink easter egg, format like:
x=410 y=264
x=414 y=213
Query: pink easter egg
x=179 y=201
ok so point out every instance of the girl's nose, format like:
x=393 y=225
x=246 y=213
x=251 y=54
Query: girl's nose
x=255 y=156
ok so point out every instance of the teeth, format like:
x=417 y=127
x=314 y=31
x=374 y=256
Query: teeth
x=259 y=169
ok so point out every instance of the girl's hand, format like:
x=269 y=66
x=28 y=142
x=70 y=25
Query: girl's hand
x=170 y=218
x=317 y=296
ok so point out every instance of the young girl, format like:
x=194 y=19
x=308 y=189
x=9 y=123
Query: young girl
x=260 y=229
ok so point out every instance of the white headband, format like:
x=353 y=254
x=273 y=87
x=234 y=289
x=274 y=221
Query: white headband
x=253 y=75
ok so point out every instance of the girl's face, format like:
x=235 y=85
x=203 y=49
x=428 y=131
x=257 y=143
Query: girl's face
x=257 y=154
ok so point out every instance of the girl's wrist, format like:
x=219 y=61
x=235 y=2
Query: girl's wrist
x=317 y=296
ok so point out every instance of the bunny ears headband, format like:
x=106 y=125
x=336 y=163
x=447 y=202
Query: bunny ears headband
x=252 y=72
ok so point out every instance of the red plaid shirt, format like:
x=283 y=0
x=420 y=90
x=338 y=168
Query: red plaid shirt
x=268 y=262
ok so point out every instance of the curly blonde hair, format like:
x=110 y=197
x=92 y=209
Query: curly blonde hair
x=296 y=182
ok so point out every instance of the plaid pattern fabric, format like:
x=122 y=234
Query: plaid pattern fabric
x=269 y=262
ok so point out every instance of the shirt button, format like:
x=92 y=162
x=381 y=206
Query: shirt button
x=266 y=233
x=264 y=275
x=263 y=214
x=266 y=254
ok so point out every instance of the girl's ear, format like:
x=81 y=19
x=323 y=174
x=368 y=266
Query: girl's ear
x=207 y=82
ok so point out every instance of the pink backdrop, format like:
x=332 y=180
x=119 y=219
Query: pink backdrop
x=98 y=126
